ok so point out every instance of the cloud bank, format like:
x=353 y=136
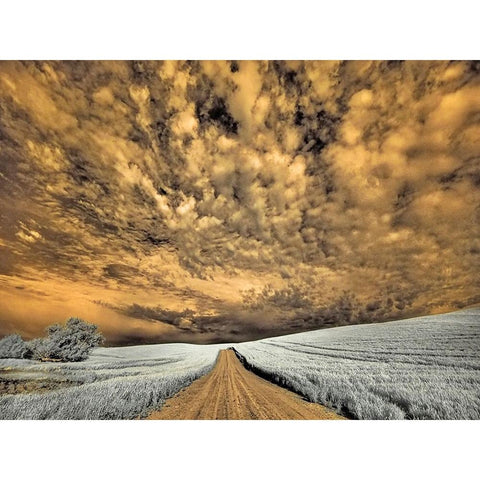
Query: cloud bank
x=229 y=200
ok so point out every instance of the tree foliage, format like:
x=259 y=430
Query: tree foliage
x=71 y=342
x=13 y=346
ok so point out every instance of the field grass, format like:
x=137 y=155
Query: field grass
x=116 y=383
x=421 y=368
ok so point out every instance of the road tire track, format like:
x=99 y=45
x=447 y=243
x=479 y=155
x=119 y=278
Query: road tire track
x=230 y=392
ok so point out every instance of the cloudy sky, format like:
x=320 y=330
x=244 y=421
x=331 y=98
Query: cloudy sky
x=222 y=201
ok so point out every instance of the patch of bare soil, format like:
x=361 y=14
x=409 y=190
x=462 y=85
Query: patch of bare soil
x=9 y=385
x=230 y=392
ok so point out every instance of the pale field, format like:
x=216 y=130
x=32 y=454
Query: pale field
x=420 y=368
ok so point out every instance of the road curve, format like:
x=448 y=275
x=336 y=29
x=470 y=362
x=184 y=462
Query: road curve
x=230 y=392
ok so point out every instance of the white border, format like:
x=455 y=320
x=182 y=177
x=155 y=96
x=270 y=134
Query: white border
x=239 y=449
x=250 y=29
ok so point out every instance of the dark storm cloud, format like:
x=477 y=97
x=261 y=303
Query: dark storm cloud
x=179 y=185
x=155 y=314
x=231 y=325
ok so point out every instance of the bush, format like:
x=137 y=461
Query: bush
x=37 y=349
x=71 y=342
x=13 y=346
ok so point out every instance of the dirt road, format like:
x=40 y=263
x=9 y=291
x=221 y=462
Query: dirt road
x=230 y=392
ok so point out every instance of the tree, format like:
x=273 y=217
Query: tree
x=13 y=346
x=71 y=342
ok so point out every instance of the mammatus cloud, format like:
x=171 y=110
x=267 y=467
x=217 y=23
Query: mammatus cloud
x=210 y=201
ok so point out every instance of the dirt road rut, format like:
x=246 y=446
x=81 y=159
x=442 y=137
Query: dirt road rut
x=230 y=392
